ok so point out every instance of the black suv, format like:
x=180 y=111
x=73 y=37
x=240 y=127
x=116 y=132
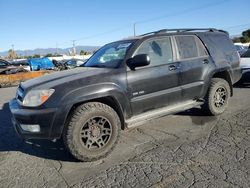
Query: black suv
x=126 y=83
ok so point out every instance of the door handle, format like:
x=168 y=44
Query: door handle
x=205 y=61
x=172 y=67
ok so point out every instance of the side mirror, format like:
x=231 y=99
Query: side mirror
x=140 y=60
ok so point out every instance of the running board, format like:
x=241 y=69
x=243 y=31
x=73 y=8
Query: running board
x=153 y=114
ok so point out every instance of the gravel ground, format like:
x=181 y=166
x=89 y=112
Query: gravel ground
x=182 y=150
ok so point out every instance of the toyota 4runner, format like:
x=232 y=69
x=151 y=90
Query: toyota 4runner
x=126 y=83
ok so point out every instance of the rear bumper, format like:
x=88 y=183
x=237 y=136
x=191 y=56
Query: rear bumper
x=42 y=117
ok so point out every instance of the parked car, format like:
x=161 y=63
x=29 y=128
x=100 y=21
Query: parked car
x=241 y=49
x=73 y=63
x=245 y=66
x=7 y=68
x=59 y=66
x=22 y=63
x=126 y=83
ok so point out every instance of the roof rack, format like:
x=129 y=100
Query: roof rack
x=162 y=31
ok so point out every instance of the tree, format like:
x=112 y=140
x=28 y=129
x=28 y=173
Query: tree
x=12 y=54
x=36 y=56
x=82 y=52
x=49 y=55
x=236 y=39
x=245 y=37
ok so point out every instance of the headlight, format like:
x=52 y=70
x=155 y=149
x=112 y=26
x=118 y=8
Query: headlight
x=37 y=97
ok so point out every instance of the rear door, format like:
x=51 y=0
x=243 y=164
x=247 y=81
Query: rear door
x=155 y=85
x=194 y=64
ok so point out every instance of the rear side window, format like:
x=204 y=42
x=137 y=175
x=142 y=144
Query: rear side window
x=190 y=47
x=202 y=51
x=186 y=47
x=159 y=51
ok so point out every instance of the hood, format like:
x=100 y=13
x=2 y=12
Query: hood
x=64 y=76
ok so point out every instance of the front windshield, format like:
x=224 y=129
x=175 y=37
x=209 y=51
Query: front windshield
x=109 y=56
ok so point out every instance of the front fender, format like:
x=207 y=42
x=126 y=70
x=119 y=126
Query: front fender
x=84 y=94
x=96 y=91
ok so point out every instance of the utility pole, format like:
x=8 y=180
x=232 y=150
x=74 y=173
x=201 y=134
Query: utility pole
x=74 y=47
x=13 y=52
x=56 y=48
x=134 y=29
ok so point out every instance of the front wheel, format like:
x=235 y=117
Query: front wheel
x=217 y=98
x=92 y=131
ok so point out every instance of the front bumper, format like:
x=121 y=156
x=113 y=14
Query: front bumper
x=42 y=117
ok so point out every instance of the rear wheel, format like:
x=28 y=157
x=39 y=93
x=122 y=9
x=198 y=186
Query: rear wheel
x=217 y=97
x=92 y=132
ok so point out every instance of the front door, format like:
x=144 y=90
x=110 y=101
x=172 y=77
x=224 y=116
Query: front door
x=156 y=85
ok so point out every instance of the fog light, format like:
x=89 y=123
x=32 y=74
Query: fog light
x=30 y=128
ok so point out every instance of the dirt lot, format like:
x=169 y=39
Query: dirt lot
x=182 y=150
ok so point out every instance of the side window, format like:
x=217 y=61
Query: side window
x=201 y=48
x=159 y=51
x=186 y=47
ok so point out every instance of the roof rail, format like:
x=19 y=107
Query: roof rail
x=183 y=30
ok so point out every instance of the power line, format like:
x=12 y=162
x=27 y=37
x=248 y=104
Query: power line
x=98 y=34
x=236 y=26
x=185 y=11
x=177 y=13
x=134 y=29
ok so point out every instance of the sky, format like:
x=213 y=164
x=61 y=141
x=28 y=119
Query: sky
x=30 y=24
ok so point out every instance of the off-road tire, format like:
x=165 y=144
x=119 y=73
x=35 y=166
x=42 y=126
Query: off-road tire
x=209 y=107
x=80 y=118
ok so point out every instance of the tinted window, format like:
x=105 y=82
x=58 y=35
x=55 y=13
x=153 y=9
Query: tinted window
x=186 y=47
x=159 y=51
x=201 y=48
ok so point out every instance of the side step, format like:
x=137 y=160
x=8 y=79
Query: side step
x=153 y=114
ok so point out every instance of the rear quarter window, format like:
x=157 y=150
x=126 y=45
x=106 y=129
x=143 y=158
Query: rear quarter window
x=190 y=47
x=186 y=47
x=202 y=51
